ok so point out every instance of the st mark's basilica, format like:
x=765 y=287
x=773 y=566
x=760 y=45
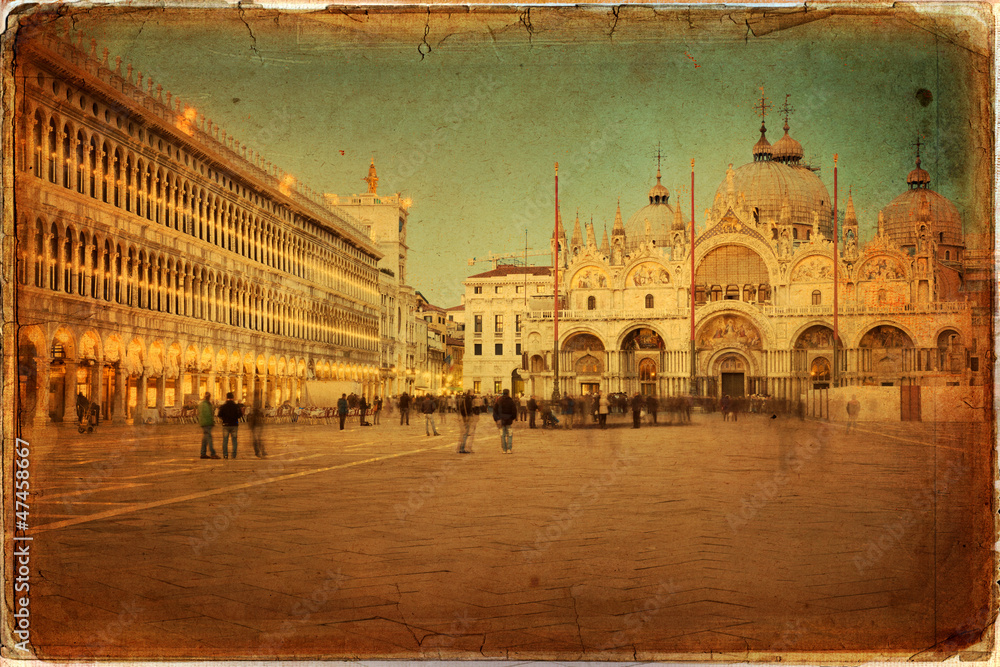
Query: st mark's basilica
x=912 y=302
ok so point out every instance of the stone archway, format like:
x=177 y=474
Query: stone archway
x=731 y=371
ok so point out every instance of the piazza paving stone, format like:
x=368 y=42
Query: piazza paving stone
x=727 y=540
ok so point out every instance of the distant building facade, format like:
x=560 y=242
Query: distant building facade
x=496 y=311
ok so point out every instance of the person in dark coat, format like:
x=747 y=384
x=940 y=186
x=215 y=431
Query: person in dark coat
x=652 y=406
x=404 y=408
x=532 y=409
x=342 y=409
x=504 y=415
x=637 y=405
x=230 y=415
x=429 y=407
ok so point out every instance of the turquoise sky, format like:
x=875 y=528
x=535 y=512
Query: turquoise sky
x=471 y=131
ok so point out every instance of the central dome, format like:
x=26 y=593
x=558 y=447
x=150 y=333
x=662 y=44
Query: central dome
x=767 y=185
x=660 y=216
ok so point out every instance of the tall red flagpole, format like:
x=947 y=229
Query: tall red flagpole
x=555 y=304
x=836 y=266
x=694 y=364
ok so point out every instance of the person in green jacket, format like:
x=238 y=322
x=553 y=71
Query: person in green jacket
x=206 y=419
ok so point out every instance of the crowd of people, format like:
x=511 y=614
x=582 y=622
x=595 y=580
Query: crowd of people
x=566 y=412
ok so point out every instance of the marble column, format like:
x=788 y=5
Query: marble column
x=42 y=375
x=121 y=386
x=69 y=393
x=140 y=396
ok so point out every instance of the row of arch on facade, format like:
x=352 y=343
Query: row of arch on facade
x=133 y=355
x=587 y=349
x=85 y=162
x=71 y=261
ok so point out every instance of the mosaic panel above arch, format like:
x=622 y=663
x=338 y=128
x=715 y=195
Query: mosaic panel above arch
x=647 y=274
x=583 y=342
x=588 y=365
x=642 y=339
x=886 y=336
x=728 y=331
x=813 y=269
x=882 y=267
x=589 y=277
x=817 y=337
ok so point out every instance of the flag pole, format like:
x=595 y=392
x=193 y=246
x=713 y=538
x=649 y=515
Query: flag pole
x=555 y=301
x=836 y=280
x=692 y=352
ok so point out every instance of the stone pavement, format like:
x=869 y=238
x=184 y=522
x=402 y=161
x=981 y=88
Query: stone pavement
x=728 y=540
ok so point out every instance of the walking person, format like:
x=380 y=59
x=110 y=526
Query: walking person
x=342 y=410
x=853 y=410
x=568 y=408
x=469 y=416
x=254 y=418
x=429 y=407
x=504 y=415
x=532 y=406
x=404 y=408
x=376 y=410
x=652 y=406
x=522 y=407
x=603 y=406
x=637 y=405
x=206 y=420
x=230 y=415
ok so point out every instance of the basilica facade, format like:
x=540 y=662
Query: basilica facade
x=912 y=303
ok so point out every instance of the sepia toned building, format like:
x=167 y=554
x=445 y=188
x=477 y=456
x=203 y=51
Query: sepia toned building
x=383 y=218
x=912 y=303
x=495 y=314
x=157 y=258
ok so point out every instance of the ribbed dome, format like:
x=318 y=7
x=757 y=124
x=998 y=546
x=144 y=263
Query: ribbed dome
x=786 y=149
x=903 y=212
x=660 y=216
x=767 y=185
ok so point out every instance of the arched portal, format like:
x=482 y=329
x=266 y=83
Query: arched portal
x=730 y=371
x=647 y=377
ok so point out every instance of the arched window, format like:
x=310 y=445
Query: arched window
x=649 y=300
x=881 y=296
x=947 y=254
x=940 y=237
x=817 y=297
x=591 y=302
x=795 y=233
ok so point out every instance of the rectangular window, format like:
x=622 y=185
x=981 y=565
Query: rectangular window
x=498 y=349
x=479 y=324
x=477 y=349
x=539 y=288
x=496 y=290
x=517 y=324
x=517 y=348
x=498 y=324
x=518 y=289
x=497 y=386
x=477 y=386
x=478 y=289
